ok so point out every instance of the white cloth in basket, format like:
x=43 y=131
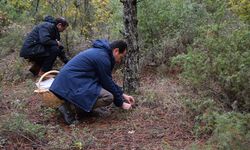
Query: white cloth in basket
x=45 y=84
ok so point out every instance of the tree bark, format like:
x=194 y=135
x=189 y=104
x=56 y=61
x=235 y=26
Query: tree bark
x=131 y=71
x=87 y=19
x=37 y=5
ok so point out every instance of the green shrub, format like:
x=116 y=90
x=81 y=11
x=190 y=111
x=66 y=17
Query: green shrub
x=199 y=107
x=18 y=123
x=12 y=39
x=194 y=67
x=224 y=130
x=169 y=29
x=241 y=8
x=4 y=21
x=115 y=27
x=226 y=60
x=15 y=10
x=220 y=53
x=232 y=131
x=13 y=71
x=204 y=113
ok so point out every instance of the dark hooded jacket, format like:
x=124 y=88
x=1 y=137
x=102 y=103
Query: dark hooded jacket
x=39 y=40
x=81 y=79
x=50 y=19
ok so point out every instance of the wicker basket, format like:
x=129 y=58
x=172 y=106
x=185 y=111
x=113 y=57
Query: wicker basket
x=48 y=98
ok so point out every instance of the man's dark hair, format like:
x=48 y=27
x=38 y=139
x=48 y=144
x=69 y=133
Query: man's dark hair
x=61 y=20
x=120 y=44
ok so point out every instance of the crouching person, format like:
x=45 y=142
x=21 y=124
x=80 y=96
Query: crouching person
x=42 y=45
x=86 y=80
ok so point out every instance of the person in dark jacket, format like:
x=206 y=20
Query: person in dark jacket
x=49 y=19
x=42 y=45
x=86 y=80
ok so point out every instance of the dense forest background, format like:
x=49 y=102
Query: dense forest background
x=205 y=43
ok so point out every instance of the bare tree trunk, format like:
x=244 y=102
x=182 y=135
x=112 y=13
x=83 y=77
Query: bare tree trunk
x=131 y=71
x=87 y=19
x=37 y=5
x=77 y=6
x=67 y=43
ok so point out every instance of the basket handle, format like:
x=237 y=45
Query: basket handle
x=45 y=74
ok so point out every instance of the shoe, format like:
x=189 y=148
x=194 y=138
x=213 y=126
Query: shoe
x=102 y=112
x=68 y=116
x=34 y=69
x=80 y=114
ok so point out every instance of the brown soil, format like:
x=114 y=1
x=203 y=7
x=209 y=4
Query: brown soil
x=158 y=121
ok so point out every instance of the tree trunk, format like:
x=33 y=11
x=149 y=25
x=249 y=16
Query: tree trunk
x=37 y=5
x=87 y=19
x=131 y=71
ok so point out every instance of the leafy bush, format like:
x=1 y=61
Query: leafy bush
x=199 y=107
x=225 y=60
x=195 y=70
x=220 y=53
x=116 y=25
x=12 y=39
x=4 y=21
x=18 y=123
x=241 y=8
x=232 y=131
x=13 y=70
x=204 y=113
x=15 y=10
x=168 y=28
x=224 y=130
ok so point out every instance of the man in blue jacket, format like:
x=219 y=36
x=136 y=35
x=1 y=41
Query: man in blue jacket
x=42 y=45
x=86 y=80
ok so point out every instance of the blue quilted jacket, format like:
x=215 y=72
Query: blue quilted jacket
x=81 y=79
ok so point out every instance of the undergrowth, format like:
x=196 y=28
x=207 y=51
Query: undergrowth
x=18 y=123
x=224 y=130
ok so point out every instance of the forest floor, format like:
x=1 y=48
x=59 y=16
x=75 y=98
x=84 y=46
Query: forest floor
x=158 y=121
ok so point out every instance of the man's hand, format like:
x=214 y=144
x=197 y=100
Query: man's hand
x=126 y=106
x=59 y=43
x=129 y=99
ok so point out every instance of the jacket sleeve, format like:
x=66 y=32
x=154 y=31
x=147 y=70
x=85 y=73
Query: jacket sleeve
x=105 y=76
x=45 y=36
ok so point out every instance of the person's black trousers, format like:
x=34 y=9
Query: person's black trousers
x=45 y=62
x=49 y=60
